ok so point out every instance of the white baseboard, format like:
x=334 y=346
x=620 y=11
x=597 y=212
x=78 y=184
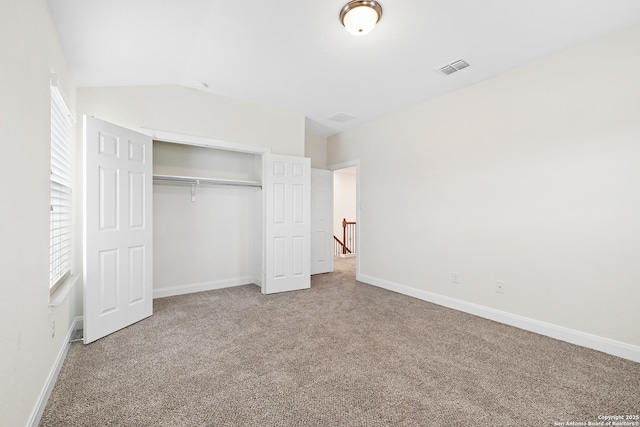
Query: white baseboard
x=605 y=345
x=199 y=287
x=34 y=420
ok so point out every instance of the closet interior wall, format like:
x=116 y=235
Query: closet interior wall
x=215 y=240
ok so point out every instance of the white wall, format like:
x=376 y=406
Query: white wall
x=30 y=52
x=344 y=198
x=315 y=147
x=203 y=244
x=192 y=112
x=530 y=177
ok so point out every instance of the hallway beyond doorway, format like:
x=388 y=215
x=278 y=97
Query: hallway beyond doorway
x=345 y=265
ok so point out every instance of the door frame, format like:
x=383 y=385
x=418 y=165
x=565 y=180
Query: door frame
x=184 y=139
x=330 y=242
x=198 y=141
x=260 y=276
x=359 y=206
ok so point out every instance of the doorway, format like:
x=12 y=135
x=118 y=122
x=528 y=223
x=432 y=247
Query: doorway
x=346 y=218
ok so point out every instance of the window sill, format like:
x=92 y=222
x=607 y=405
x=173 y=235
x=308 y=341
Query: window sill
x=59 y=295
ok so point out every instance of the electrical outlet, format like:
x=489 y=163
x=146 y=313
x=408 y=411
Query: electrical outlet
x=501 y=287
x=455 y=277
x=53 y=329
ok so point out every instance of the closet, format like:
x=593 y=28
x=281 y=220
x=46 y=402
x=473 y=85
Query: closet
x=167 y=214
x=207 y=218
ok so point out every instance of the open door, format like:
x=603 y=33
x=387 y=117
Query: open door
x=287 y=193
x=118 y=228
x=321 y=221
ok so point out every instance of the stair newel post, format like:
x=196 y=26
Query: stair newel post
x=344 y=236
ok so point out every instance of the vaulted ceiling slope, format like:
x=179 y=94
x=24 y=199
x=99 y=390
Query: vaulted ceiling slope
x=294 y=55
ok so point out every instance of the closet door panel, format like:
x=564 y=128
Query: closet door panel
x=117 y=228
x=287 y=186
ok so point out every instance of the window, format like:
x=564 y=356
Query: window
x=61 y=185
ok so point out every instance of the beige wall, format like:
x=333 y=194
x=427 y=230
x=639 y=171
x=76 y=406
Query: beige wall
x=30 y=52
x=315 y=147
x=192 y=112
x=531 y=177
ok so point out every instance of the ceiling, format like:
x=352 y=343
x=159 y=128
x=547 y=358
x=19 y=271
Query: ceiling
x=294 y=55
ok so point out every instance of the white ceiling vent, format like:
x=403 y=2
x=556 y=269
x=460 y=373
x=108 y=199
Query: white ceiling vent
x=453 y=67
x=341 y=117
x=459 y=65
x=447 y=69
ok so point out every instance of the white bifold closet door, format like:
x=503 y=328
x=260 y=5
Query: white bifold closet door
x=118 y=229
x=287 y=204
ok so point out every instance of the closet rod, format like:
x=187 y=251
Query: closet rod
x=192 y=180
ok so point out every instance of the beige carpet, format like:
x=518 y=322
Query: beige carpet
x=340 y=354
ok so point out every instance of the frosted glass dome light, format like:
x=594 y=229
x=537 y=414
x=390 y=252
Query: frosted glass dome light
x=359 y=17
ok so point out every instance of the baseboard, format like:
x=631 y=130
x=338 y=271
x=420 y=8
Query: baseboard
x=34 y=420
x=605 y=345
x=199 y=287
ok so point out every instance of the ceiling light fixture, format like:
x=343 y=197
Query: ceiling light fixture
x=360 y=16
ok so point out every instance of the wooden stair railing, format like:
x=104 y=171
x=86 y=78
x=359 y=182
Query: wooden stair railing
x=348 y=232
x=340 y=248
x=348 y=237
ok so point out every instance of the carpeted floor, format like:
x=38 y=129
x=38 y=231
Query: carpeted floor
x=340 y=354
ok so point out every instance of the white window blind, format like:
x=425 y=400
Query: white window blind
x=60 y=217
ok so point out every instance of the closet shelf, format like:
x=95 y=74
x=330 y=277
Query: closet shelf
x=193 y=180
